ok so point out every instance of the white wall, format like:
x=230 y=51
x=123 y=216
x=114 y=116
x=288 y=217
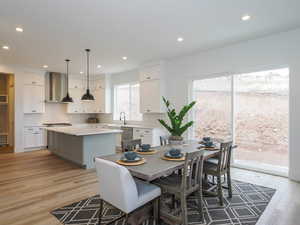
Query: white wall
x=266 y=53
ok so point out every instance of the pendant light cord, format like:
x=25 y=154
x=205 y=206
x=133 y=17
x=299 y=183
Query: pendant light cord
x=88 y=68
x=67 y=61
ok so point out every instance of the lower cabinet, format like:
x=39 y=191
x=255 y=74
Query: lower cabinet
x=149 y=136
x=34 y=138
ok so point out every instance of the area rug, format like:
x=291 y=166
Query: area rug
x=244 y=208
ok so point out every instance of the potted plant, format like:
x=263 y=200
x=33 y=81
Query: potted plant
x=176 y=128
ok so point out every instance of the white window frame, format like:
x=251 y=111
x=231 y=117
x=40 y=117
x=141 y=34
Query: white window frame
x=115 y=116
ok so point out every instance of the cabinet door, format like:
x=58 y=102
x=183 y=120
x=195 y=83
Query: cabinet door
x=76 y=106
x=34 y=79
x=75 y=83
x=29 y=138
x=99 y=84
x=34 y=100
x=99 y=103
x=151 y=73
x=150 y=100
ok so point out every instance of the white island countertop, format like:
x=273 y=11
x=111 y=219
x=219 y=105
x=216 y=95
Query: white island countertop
x=83 y=131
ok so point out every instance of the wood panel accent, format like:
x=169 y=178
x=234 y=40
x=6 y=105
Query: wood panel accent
x=32 y=184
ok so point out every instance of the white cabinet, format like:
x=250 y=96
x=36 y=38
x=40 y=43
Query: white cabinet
x=151 y=72
x=151 y=93
x=34 y=137
x=77 y=105
x=152 y=89
x=98 y=84
x=97 y=89
x=34 y=79
x=144 y=134
x=100 y=103
x=149 y=136
x=34 y=99
x=76 y=83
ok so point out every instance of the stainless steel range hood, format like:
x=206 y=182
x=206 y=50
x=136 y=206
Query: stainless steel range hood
x=56 y=87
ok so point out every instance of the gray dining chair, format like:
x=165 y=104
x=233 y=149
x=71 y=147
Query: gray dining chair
x=219 y=167
x=182 y=185
x=118 y=188
x=130 y=145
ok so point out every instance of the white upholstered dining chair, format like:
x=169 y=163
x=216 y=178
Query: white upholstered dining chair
x=118 y=188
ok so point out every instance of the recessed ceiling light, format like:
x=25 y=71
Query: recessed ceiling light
x=246 y=17
x=19 y=29
x=5 y=47
x=99 y=66
x=45 y=66
x=180 y=39
x=81 y=72
x=124 y=57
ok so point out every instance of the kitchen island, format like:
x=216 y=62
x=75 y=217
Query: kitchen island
x=81 y=145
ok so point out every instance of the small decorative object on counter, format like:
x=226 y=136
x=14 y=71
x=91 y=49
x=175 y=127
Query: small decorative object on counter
x=92 y=120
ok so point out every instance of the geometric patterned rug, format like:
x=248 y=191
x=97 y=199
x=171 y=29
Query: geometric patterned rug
x=244 y=208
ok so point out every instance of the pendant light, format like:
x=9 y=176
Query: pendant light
x=67 y=98
x=88 y=96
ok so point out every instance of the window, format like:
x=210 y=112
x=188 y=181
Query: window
x=127 y=99
x=253 y=110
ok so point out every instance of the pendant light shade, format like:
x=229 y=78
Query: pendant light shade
x=67 y=98
x=88 y=96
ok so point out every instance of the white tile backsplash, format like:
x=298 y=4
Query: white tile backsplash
x=54 y=113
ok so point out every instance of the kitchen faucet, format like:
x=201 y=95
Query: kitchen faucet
x=124 y=117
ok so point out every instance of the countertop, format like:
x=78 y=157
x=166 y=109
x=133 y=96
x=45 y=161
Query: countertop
x=83 y=131
x=127 y=125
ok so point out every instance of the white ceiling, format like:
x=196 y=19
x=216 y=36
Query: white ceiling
x=142 y=30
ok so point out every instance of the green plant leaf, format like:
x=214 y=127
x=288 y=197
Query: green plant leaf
x=185 y=127
x=162 y=122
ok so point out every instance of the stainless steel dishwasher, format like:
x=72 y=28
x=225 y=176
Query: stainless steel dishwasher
x=127 y=133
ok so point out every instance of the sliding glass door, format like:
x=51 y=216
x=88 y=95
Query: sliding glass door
x=261 y=120
x=250 y=108
x=213 y=110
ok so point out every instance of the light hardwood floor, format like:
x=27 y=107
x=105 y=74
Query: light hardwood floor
x=34 y=183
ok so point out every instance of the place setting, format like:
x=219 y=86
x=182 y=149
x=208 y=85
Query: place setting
x=131 y=158
x=207 y=143
x=145 y=149
x=174 y=154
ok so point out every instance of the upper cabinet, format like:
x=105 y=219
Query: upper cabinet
x=34 y=93
x=75 y=83
x=34 y=79
x=98 y=88
x=151 y=72
x=152 y=88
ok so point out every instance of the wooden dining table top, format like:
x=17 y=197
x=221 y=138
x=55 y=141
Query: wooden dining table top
x=155 y=166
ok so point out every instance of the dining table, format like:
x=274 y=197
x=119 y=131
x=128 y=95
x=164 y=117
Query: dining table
x=155 y=166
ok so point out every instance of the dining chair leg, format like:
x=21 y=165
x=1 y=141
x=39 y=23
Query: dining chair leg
x=126 y=219
x=200 y=204
x=184 y=210
x=220 y=191
x=156 y=215
x=100 y=212
x=229 y=183
x=173 y=201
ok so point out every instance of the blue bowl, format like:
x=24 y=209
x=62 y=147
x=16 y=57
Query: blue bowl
x=209 y=144
x=145 y=147
x=174 y=152
x=206 y=139
x=130 y=155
